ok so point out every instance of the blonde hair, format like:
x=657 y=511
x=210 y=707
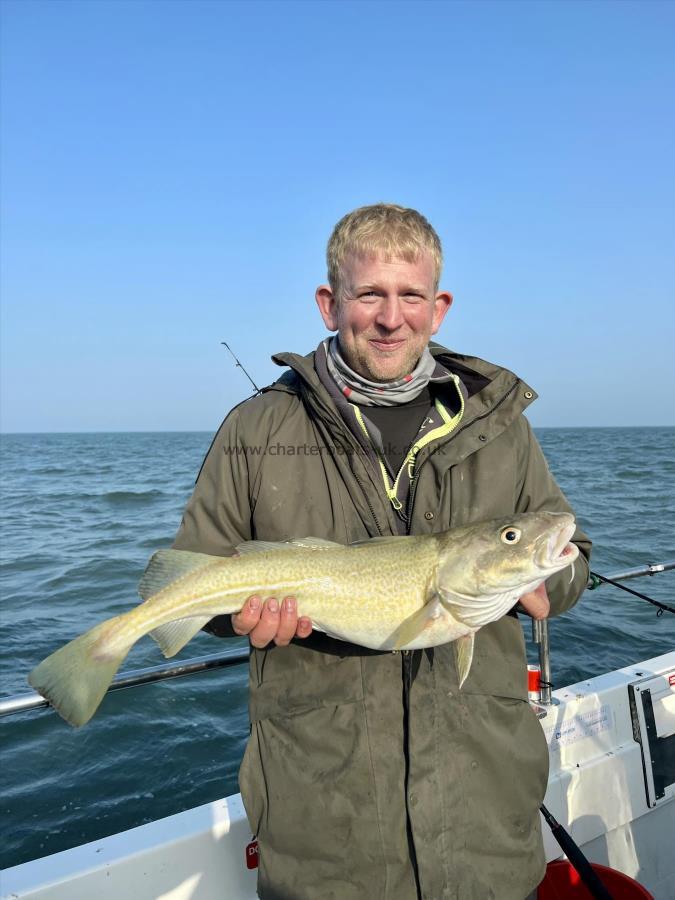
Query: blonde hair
x=383 y=228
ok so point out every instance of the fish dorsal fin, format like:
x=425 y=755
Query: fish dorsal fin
x=415 y=624
x=315 y=543
x=166 y=566
x=384 y=539
x=173 y=636
x=464 y=656
x=308 y=543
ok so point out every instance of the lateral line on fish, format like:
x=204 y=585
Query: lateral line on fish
x=287 y=588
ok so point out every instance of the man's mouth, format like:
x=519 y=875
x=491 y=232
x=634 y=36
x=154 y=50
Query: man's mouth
x=386 y=346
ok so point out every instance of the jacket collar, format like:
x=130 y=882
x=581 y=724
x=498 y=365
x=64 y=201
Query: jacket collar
x=484 y=381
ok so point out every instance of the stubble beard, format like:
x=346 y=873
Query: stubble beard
x=376 y=366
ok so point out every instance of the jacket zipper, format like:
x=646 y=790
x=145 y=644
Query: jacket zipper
x=357 y=448
x=415 y=479
x=370 y=505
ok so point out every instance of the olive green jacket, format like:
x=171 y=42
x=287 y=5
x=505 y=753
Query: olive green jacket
x=367 y=770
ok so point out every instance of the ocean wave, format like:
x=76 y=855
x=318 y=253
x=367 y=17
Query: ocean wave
x=132 y=496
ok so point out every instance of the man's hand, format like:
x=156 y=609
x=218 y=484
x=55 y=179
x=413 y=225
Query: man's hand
x=536 y=603
x=271 y=621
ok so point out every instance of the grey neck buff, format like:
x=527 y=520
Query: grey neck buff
x=358 y=389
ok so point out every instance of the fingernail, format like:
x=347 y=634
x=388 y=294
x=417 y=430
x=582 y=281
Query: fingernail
x=273 y=605
x=289 y=603
x=254 y=603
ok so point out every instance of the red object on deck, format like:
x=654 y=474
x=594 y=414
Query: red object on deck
x=533 y=679
x=562 y=882
x=252 y=855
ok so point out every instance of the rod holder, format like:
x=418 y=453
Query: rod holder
x=540 y=637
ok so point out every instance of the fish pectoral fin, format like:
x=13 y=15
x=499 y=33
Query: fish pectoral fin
x=464 y=656
x=173 y=636
x=415 y=624
x=167 y=566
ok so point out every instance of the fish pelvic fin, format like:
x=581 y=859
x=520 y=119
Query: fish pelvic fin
x=76 y=677
x=173 y=636
x=167 y=566
x=415 y=624
x=464 y=656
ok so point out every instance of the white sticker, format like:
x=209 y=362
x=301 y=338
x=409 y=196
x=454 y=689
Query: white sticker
x=579 y=727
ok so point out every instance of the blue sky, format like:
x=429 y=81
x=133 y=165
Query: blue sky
x=171 y=172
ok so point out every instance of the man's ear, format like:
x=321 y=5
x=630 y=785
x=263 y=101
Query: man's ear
x=325 y=300
x=442 y=303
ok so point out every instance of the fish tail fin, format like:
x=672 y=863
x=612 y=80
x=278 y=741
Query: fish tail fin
x=76 y=677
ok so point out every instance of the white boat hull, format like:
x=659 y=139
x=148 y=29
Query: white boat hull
x=597 y=789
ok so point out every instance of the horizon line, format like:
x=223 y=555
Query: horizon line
x=213 y=431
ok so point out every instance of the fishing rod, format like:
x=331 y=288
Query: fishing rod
x=540 y=633
x=231 y=352
x=596 y=581
x=576 y=858
x=233 y=656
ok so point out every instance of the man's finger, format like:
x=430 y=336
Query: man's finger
x=304 y=628
x=266 y=629
x=288 y=622
x=536 y=603
x=248 y=617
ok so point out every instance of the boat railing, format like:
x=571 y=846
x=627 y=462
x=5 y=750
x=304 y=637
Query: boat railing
x=236 y=656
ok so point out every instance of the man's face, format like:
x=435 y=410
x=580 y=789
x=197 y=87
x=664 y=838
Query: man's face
x=385 y=315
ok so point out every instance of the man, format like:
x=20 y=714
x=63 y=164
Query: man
x=371 y=775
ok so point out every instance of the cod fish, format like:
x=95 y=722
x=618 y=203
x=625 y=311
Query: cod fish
x=388 y=593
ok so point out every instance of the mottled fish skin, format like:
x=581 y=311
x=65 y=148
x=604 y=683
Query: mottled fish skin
x=386 y=593
x=358 y=593
x=362 y=593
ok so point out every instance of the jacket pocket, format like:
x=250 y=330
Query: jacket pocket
x=499 y=666
x=289 y=681
x=250 y=784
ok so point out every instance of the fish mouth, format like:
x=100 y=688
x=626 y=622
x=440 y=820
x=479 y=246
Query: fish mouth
x=556 y=551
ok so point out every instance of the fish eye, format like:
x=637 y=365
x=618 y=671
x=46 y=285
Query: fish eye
x=510 y=535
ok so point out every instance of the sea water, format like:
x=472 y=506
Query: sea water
x=81 y=513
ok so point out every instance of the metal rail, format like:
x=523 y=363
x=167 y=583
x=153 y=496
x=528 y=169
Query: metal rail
x=232 y=657
x=633 y=573
x=540 y=627
x=237 y=656
x=540 y=637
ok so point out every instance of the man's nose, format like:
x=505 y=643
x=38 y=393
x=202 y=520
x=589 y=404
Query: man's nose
x=390 y=313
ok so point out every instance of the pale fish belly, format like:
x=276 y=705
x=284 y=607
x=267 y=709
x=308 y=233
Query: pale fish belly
x=440 y=628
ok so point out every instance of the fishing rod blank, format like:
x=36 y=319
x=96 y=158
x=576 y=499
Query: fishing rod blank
x=229 y=349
